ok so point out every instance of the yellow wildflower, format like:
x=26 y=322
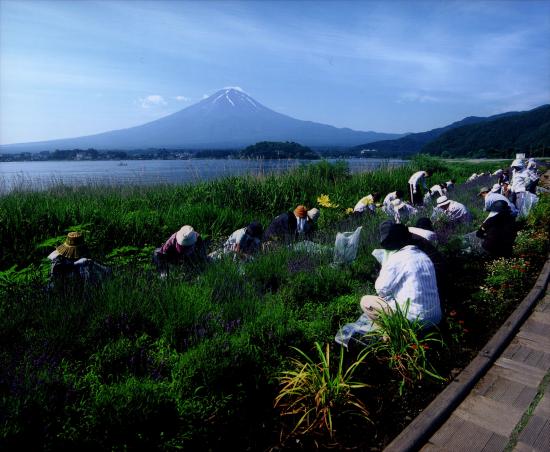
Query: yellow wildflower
x=324 y=201
x=349 y=210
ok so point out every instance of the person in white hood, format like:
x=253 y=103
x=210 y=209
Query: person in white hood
x=490 y=197
x=387 y=205
x=519 y=183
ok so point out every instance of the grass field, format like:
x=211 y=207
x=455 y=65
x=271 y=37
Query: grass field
x=192 y=361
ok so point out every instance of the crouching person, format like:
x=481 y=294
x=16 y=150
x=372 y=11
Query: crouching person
x=71 y=264
x=242 y=244
x=407 y=279
x=184 y=247
x=498 y=232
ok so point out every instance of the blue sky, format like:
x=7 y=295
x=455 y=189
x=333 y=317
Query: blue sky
x=71 y=68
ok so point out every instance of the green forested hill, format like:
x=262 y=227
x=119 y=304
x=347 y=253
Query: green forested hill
x=502 y=137
x=278 y=150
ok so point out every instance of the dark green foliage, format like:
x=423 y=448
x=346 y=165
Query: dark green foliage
x=414 y=142
x=319 y=286
x=498 y=138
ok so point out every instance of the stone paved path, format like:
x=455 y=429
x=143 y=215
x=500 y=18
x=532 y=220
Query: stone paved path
x=509 y=408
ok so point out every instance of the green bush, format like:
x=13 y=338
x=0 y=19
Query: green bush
x=504 y=284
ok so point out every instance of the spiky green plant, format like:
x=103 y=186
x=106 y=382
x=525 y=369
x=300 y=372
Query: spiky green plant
x=317 y=392
x=403 y=345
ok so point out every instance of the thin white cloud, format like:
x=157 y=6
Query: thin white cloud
x=153 y=100
x=417 y=97
x=182 y=98
x=205 y=96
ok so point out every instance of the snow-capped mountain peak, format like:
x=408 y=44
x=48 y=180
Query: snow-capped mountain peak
x=233 y=97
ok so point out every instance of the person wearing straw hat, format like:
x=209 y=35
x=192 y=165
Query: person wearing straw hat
x=184 y=247
x=453 y=210
x=490 y=196
x=70 y=261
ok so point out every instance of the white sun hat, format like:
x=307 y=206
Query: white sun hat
x=186 y=236
x=442 y=200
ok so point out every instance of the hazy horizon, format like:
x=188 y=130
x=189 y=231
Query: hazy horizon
x=71 y=69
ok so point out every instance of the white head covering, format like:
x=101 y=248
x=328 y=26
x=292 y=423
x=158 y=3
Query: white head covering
x=313 y=214
x=442 y=200
x=186 y=236
x=397 y=204
x=495 y=188
x=518 y=163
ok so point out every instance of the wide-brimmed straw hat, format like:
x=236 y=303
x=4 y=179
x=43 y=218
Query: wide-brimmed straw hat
x=442 y=201
x=300 y=211
x=313 y=214
x=73 y=247
x=186 y=236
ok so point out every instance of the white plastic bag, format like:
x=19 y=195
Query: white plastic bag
x=529 y=200
x=346 y=246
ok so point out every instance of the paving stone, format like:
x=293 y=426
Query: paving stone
x=532 y=430
x=525 y=398
x=469 y=436
x=536 y=327
x=495 y=443
x=519 y=372
x=494 y=416
x=447 y=430
x=535 y=341
x=541 y=316
x=542 y=442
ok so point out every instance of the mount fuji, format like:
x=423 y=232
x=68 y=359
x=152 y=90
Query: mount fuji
x=229 y=118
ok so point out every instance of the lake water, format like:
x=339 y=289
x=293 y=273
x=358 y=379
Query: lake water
x=40 y=175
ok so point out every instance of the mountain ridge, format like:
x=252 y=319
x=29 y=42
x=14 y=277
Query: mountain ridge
x=229 y=118
x=499 y=136
x=415 y=142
